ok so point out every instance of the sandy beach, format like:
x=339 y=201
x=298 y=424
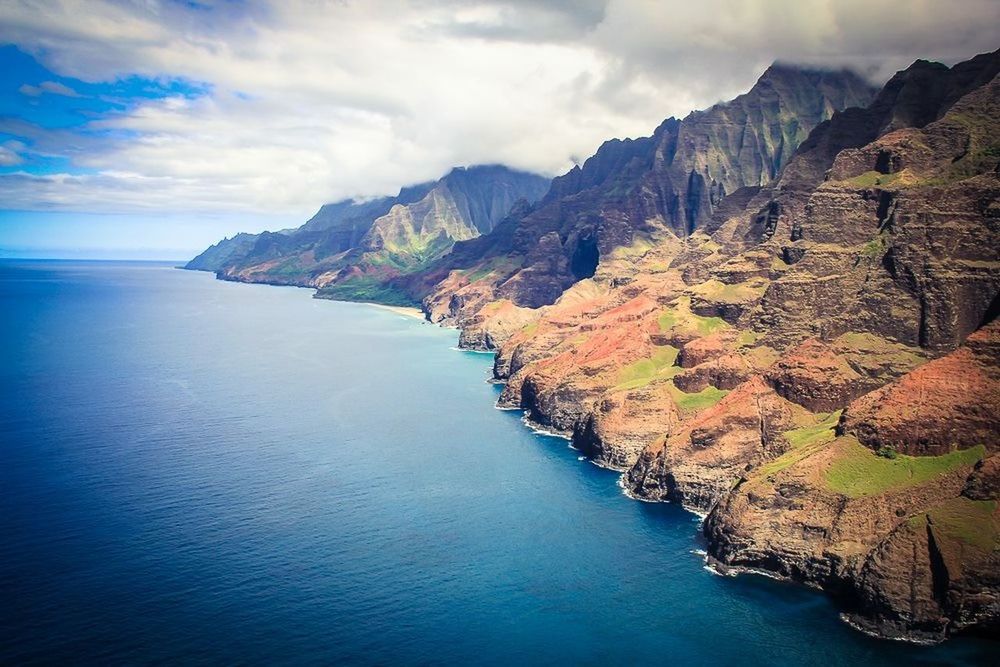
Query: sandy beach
x=401 y=310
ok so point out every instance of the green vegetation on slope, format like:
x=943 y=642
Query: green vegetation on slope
x=822 y=431
x=700 y=400
x=640 y=246
x=529 y=329
x=861 y=472
x=719 y=292
x=644 y=371
x=805 y=442
x=876 y=247
x=681 y=317
x=668 y=320
x=290 y=267
x=747 y=338
x=494 y=265
x=973 y=522
x=983 y=151
x=873 y=179
x=366 y=289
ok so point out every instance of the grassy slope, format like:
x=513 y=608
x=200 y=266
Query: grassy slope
x=366 y=289
x=644 y=371
x=681 y=317
x=859 y=471
x=804 y=442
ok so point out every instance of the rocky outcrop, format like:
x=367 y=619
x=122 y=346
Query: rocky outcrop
x=905 y=559
x=494 y=324
x=953 y=575
x=703 y=457
x=908 y=243
x=620 y=426
x=951 y=402
x=823 y=376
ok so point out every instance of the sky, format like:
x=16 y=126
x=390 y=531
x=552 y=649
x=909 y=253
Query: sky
x=153 y=128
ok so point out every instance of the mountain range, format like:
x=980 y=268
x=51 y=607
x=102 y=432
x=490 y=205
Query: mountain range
x=779 y=312
x=353 y=249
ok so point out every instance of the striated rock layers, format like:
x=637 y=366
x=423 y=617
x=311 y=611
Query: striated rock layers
x=354 y=250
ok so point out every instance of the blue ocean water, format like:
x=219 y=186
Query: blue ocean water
x=206 y=472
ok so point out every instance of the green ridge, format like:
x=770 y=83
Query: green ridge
x=861 y=472
x=642 y=372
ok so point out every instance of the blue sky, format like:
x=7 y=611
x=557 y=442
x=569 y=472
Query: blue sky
x=36 y=104
x=153 y=128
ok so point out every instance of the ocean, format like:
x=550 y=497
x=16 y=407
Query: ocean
x=194 y=471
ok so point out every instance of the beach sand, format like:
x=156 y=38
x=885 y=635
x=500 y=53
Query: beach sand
x=401 y=310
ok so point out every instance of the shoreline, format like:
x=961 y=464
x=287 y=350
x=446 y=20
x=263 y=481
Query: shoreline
x=407 y=311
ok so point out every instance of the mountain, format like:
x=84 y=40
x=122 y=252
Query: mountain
x=814 y=366
x=631 y=189
x=352 y=249
x=226 y=250
x=340 y=225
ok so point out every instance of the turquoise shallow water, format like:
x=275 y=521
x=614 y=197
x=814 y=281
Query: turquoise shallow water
x=197 y=471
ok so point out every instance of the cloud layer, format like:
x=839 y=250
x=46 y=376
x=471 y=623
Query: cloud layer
x=304 y=102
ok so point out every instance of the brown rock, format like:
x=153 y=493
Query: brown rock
x=816 y=377
x=700 y=460
x=951 y=402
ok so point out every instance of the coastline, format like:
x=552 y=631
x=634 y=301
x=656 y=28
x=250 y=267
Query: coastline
x=403 y=473
x=407 y=311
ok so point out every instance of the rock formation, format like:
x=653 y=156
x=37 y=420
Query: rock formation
x=674 y=181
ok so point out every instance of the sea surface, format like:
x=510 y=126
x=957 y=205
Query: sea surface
x=194 y=471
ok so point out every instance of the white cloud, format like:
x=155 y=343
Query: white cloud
x=312 y=101
x=53 y=87
x=57 y=88
x=10 y=154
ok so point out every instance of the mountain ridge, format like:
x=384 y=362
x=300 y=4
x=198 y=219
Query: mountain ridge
x=351 y=248
x=672 y=180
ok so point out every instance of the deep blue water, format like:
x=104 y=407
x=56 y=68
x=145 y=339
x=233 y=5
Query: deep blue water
x=198 y=471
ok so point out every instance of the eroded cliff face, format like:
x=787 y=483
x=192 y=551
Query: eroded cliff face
x=814 y=367
x=909 y=544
